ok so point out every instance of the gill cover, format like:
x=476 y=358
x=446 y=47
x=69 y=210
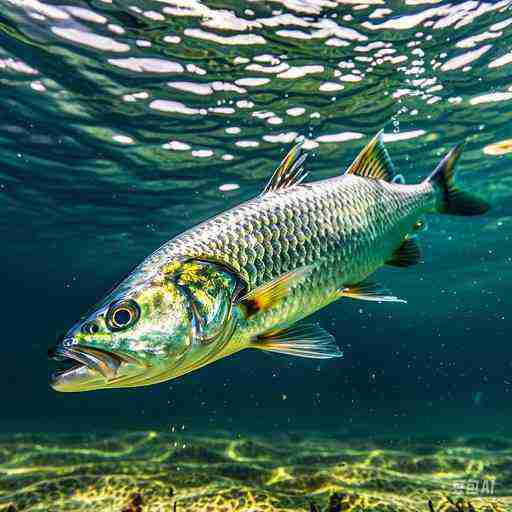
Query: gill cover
x=211 y=290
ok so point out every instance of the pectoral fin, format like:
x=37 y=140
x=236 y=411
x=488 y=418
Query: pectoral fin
x=266 y=295
x=368 y=290
x=303 y=340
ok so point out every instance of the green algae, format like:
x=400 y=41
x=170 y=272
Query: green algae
x=155 y=472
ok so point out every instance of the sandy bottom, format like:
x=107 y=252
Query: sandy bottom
x=153 y=472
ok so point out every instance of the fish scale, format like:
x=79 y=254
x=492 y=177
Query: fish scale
x=276 y=233
x=344 y=227
x=344 y=242
x=294 y=249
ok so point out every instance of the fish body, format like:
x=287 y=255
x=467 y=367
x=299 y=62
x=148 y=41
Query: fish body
x=246 y=277
x=343 y=228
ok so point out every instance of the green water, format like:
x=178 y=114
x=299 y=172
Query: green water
x=124 y=123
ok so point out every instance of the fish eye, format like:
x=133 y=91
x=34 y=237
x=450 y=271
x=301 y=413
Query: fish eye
x=90 y=328
x=122 y=315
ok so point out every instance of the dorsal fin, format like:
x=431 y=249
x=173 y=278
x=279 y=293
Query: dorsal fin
x=373 y=161
x=290 y=171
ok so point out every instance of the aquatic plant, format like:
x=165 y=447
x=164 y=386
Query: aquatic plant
x=461 y=505
x=135 y=504
x=335 y=504
x=340 y=502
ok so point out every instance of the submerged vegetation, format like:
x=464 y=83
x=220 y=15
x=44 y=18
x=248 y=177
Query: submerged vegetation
x=157 y=472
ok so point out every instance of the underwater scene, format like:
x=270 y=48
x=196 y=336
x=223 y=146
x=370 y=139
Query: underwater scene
x=197 y=317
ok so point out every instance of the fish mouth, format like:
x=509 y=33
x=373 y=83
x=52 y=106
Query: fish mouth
x=85 y=368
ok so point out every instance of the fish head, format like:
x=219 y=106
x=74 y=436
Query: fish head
x=127 y=341
x=147 y=332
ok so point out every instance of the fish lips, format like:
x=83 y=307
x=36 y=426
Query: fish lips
x=90 y=367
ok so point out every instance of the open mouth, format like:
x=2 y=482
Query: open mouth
x=85 y=368
x=101 y=361
x=82 y=366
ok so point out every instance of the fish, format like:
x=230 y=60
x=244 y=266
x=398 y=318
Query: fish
x=248 y=277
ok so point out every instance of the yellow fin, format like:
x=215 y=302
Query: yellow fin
x=368 y=290
x=373 y=161
x=408 y=254
x=290 y=171
x=266 y=295
x=303 y=340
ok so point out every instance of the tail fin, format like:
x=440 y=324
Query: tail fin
x=452 y=200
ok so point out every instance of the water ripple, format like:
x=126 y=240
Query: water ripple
x=121 y=113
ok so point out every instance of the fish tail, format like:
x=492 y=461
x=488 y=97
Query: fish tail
x=449 y=198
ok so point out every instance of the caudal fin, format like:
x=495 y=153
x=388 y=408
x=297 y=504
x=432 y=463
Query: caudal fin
x=452 y=200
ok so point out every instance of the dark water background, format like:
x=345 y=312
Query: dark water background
x=123 y=122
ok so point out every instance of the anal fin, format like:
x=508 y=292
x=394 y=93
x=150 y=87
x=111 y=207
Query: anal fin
x=368 y=290
x=302 y=340
x=408 y=254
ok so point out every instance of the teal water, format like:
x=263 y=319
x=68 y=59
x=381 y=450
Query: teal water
x=124 y=123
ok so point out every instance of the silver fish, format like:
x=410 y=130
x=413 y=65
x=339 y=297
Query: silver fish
x=247 y=277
